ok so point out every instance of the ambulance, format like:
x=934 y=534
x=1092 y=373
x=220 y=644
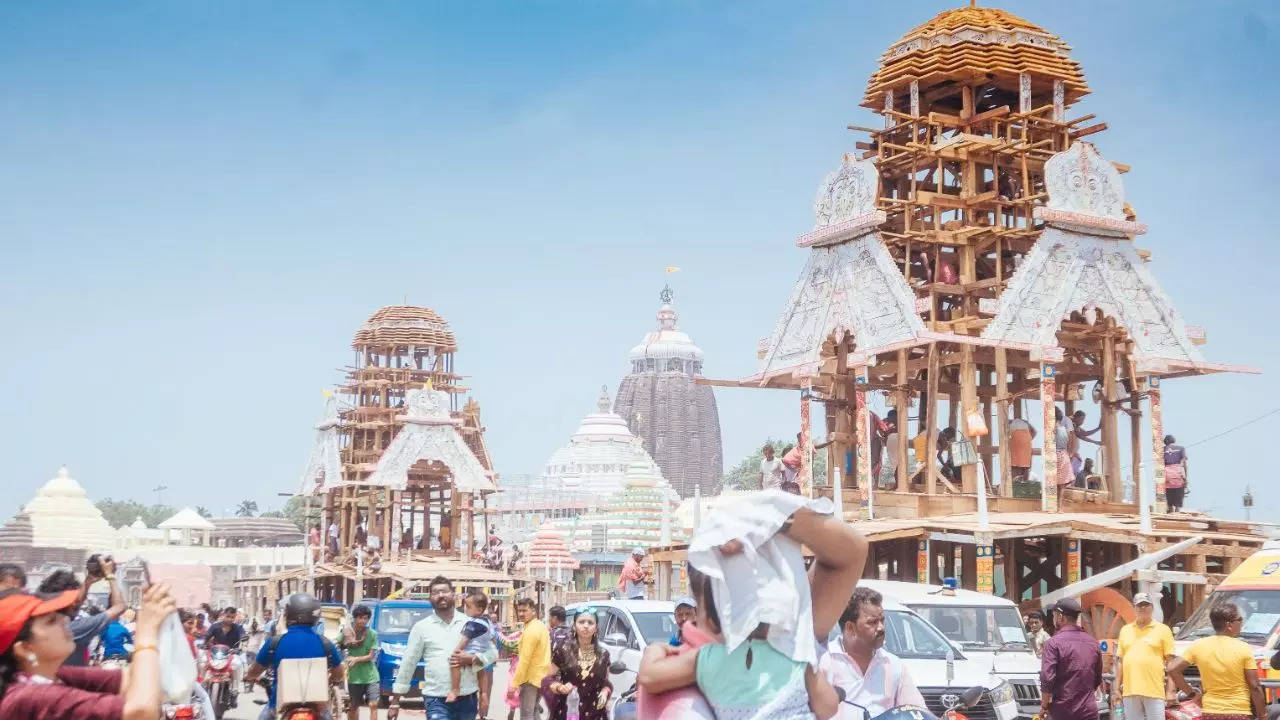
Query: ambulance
x=1254 y=587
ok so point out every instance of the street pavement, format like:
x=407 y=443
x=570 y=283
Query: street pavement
x=411 y=710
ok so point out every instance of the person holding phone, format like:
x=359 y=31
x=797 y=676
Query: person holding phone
x=36 y=641
x=84 y=627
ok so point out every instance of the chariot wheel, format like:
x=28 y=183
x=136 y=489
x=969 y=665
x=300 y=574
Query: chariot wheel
x=1105 y=611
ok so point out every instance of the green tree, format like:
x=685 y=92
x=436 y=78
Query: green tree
x=119 y=513
x=746 y=474
x=247 y=508
x=204 y=513
x=296 y=510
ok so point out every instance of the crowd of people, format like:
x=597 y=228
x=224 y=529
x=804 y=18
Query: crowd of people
x=1068 y=467
x=762 y=635
x=1148 y=674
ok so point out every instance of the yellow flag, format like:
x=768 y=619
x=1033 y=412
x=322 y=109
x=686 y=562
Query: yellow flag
x=672 y=268
x=327 y=394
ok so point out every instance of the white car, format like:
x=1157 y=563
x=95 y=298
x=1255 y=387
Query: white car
x=986 y=628
x=626 y=628
x=633 y=625
x=923 y=651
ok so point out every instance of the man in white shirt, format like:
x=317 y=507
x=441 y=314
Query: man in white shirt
x=771 y=475
x=857 y=663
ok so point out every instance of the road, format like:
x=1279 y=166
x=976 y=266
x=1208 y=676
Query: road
x=248 y=709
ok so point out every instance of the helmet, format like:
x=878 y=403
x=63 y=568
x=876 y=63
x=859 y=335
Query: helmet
x=301 y=609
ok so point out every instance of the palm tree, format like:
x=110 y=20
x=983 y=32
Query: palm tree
x=247 y=508
x=203 y=512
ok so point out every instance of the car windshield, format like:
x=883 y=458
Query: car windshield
x=400 y=620
x=977 y=627
x=656 y=627
x=1259 y=608
x=908 y=636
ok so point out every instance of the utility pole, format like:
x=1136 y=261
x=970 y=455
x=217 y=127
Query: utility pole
x=159 y=491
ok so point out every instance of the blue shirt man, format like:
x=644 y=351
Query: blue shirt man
x=113 y=640
x=298 y=642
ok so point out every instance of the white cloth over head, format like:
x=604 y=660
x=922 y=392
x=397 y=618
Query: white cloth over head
x=766 y=582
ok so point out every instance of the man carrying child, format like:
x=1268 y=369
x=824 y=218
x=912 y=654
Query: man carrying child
x=477 y=639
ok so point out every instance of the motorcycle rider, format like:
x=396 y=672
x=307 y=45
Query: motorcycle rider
x=229 y=633
x=300 y=641
x=857 y=663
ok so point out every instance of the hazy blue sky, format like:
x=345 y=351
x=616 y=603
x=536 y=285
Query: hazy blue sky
x=201 y=202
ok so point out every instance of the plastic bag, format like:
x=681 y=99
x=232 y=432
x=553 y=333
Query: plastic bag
x=177 y=665
x=962 y=453
x=974 y=424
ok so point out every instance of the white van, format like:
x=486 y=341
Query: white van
x=923 y=651
x=986 y=628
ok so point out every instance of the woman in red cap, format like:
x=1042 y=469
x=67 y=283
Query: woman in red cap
x=35 y=639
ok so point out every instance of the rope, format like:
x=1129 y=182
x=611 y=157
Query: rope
x=1263 y=416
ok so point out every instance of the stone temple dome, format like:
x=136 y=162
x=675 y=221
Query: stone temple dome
x=598 y=455
x=662 y=402
x=62 y=515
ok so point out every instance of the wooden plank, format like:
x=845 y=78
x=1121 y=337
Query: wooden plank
x=1110 y=436
x=951 y=538
x=1033 y=532
x=904 y=437
x=925 y=197
x=968 y=404
x=930 y=464
x=1083 y=132
x=1002 y=412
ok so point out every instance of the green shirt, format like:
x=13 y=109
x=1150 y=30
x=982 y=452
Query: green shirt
x=364 y=673
x=432 y=640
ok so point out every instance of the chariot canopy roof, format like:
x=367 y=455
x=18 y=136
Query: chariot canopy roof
x=971 y=44
x=406 y=325
x=1085 y=262
x=850 y=284
x=429 y=434
x=324 y=466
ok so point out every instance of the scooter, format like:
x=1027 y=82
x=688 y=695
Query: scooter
x=624 y=705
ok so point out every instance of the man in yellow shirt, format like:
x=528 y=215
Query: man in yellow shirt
x=1227 y=670
x=1142 y=652
x=535 y=659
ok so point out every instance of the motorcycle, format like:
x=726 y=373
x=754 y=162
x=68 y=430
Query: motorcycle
x=216 y=663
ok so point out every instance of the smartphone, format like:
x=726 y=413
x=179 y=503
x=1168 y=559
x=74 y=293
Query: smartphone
x=146 y=574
